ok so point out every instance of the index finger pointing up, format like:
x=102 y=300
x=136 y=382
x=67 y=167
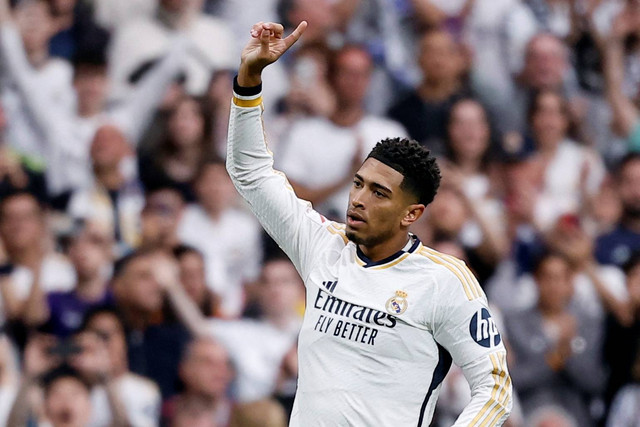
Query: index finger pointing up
x=295 y=35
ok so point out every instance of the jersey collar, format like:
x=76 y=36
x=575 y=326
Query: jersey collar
x=389 y=261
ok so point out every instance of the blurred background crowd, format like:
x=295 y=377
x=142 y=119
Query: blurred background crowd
x=136 y=289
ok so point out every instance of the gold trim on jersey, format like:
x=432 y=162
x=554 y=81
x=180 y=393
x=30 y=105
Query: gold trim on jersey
x=392 y=263
x=247 y=102
x=469 y=283
x=334 y=228
x=496 y=407
x=389 y=264
x=287 y=184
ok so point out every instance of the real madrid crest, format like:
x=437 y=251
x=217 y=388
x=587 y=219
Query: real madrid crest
x=397 y=304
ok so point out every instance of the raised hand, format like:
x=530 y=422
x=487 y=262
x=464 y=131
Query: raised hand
x=265 y=47
x=166 y=271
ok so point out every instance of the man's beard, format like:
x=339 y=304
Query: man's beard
x=370 y=240
x=353 y=238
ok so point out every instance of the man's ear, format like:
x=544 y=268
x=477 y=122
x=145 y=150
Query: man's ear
x=413 y=213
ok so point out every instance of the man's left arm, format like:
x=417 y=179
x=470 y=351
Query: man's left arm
x=463 y=325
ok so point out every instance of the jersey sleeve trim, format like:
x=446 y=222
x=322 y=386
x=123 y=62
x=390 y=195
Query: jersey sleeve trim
x=246 y=91
x=335 y=228
x=247 y=103
x=246 y=96
x=496 y=406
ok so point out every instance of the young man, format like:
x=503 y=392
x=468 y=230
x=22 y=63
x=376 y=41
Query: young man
x=385 y=315
x=140 y=397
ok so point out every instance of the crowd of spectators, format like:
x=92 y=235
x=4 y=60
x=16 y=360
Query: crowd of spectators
x=137 y=289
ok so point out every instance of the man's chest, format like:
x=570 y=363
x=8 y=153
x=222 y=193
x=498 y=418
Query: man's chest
x=354 y=309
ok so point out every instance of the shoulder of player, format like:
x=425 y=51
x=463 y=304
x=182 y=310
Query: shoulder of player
x=335 y=228
x=452 y=274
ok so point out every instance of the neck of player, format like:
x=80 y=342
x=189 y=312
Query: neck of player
x=385 y=249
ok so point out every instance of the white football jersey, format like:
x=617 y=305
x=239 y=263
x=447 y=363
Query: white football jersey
x=378 y=337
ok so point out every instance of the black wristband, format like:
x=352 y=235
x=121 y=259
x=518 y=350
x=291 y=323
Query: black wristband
x=246 y=91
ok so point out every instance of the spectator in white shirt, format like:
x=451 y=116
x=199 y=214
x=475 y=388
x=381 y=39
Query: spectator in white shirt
x=33 y=269
x=261 y=349
x=35 y=25
x=228 y=237
x=115 y=199
x=139 y=395
x=149 y=37
x=66 y=134
x=322 y=154
x=571 y=174
x=64 y=374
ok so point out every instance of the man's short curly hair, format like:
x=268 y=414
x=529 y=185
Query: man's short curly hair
x=417 y=165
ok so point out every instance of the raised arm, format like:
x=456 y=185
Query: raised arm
x=292 y=223
x=135 y=112
x=43 y=113
x=166 y=273
x=625 y=114
x=55 y=125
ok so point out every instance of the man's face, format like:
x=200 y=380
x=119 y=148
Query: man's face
x=67 y=403
x=545 y=63
x=319 y=14
x=138 y=288
x=89 y=251
x=161 y=216
x=90 y=83
x=439 y=56
x=377 y=204
x=21 y=222
x=206 y=370
x=447 y=213
x=192 y=276
x=109 y=147
x=352 y=76
x=214 y=188
x=281 y=287
x=629 y=188
x=108 y=328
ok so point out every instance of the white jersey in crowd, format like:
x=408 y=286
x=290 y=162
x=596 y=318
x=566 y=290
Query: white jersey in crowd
x=257 y=349
x=232 y=258
x=56 y=275
x=377 y=337
x=139 y=396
